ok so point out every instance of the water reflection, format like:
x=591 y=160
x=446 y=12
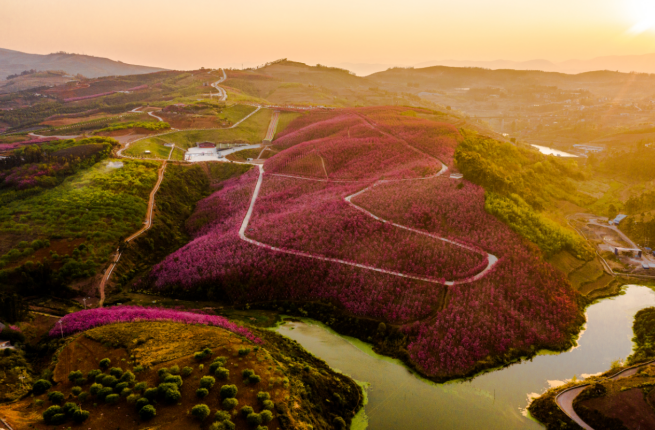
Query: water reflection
x=550 y=151
x=495 y=400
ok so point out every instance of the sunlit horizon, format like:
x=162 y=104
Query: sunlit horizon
x=217 y=34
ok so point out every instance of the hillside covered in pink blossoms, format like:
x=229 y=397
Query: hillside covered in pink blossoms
x=390 y=163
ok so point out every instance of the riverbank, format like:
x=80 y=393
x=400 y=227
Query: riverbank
x=392 y=340
x=399 y=398
x=599 y=397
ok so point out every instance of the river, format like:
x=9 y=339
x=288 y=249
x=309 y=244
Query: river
x=398 y=399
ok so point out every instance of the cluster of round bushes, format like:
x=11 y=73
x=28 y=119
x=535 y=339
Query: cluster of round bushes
x=222 y=418
x=249 y=376
x=228 y=394
x=116 y=383
x=56 y=414
x=265 y=399
x=107 y=387
x=201 y=355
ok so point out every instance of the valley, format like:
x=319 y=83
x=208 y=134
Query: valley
x=250 y=200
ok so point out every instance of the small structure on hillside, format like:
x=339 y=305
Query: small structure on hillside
x=205 y=145
x=146 y=152
x=589 y=148
x=618 y=219
x=638 y=251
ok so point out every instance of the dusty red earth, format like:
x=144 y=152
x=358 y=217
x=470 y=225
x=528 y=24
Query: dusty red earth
x=182 y=121
x=628 y=406
x=61 y=247
x=84 y=354
x=68 y=121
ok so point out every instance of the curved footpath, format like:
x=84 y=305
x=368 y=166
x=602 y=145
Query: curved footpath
x=222 y=94
x=491 y=259
x=565 y=399
x=236 y=124
x=146 y=227
x=608 y=269
x=155 y=116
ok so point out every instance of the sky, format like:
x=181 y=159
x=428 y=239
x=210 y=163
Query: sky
x=215 y=33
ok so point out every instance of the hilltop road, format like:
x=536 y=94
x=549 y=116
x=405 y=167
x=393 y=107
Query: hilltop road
x=222 y=94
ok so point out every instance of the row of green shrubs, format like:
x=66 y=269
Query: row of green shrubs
x=148 y=125
x=23 y=249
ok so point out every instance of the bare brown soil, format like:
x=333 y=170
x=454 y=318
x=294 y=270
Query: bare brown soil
x=628 y=406
x=183 y=122
x=159 y=345
x=37 y=327
x=128 y=132
x=61 y=247
x=69 y=121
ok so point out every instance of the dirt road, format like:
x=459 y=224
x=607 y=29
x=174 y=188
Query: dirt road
x=146 y=227
x=565 y=398
x=491 y=259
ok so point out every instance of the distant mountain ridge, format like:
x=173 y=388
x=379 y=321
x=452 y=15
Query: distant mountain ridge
x=621 y=63
x=12 y=62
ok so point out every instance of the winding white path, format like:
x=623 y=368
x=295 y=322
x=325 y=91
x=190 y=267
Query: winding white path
x=155 y=116
x=222 y=94
x=119 y=153
x=565 y=399
x=491 y=259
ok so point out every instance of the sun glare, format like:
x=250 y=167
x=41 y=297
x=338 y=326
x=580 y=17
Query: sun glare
x=642 y=13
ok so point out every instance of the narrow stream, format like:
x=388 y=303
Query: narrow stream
x=398 y=399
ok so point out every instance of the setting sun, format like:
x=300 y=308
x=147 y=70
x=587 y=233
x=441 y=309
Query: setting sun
x=327 y=215
x=642 y=12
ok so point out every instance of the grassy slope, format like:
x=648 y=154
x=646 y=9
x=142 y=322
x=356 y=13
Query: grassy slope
x=157 y=149
x=235 y=112
x=97 y=205
x=253 y=130
x=285 y=369
x=220 y=171
x=244 y=154
x=178 y=154
x=285 y=119
x=183 y=186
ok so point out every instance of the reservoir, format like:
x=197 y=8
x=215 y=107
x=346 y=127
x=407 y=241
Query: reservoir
x=550 y=151
x=399 y=399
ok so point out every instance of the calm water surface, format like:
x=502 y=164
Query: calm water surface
x=496 y=400
x=550 y=151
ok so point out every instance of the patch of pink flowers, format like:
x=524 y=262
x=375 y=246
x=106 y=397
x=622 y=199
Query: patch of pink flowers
x=313 y=217
x=15 y=145
x=93 y=96
x=522 y=303
x=90 y=318
x=30 y=176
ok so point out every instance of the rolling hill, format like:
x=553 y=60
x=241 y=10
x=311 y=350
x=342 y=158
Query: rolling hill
x=12 y=62
x=620 y=63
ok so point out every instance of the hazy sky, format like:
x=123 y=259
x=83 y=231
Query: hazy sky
x=211 y=33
